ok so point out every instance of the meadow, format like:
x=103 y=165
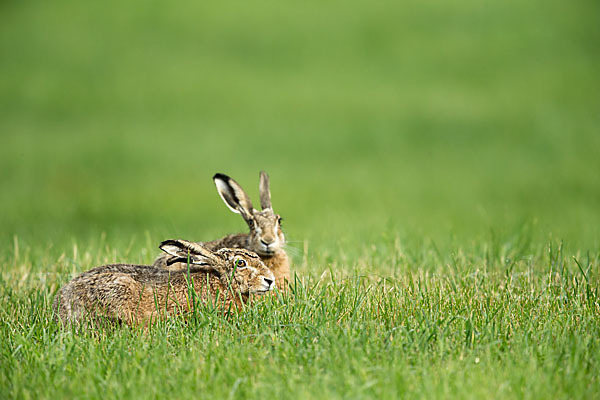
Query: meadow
x=436 y=164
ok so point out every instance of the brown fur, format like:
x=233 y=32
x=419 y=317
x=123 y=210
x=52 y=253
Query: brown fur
x=265 y=227
x=139 y=294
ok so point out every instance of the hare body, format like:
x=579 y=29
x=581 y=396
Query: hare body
x=134 y=294
x=265 y=237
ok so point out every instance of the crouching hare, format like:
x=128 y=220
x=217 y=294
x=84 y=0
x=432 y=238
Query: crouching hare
x=265 y=237
x=139 y=294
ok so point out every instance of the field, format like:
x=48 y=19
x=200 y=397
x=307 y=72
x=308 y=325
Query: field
x=436 y=163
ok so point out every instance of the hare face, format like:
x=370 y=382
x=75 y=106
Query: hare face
x=267 y=236
x=249 y=272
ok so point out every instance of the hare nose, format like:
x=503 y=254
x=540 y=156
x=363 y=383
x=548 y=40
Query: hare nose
x=267 y=242
x=269 y=281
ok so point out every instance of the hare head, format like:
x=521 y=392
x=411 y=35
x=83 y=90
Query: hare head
x=238 y=266
x=266 y=236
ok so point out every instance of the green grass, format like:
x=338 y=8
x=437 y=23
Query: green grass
x=436 y=164
x=487 y=325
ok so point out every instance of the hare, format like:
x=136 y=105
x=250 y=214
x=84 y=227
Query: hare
x=135 y=294
x=265 y=237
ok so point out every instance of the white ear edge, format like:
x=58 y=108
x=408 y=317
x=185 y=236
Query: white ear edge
x=223 y=188
x=199 y=260
x=171 y=249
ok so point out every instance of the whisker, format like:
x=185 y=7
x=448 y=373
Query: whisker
x=293 y=250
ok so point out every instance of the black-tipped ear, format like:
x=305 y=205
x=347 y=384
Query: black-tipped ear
x=183 y=250
x=264 y=188
x=233 y=195
x=172 y=247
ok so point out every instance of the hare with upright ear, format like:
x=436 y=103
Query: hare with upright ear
x=265 y=236
x=135 y=294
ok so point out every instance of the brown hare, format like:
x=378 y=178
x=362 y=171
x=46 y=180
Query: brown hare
x=265 y=236
x=139 y=294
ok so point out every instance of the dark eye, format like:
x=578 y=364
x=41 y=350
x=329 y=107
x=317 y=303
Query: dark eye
x=280 y=220
x=240 y=263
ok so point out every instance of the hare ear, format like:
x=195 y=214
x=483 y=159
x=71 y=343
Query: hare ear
x=233 y=195
x=265 y=191
x=184 y=251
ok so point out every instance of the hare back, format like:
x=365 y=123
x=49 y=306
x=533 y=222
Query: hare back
x=233 y=241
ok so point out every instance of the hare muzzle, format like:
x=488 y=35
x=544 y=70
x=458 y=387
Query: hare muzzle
x=268 y=245
x=265 y=283
x=270 y=283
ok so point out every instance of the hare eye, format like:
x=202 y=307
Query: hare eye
x=240 y=263
x=280 y=220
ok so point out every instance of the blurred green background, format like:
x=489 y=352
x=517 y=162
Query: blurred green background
x=420 y=120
